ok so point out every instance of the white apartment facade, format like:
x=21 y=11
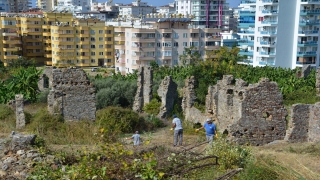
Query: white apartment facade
x=136 y=9
x=164 y=41
x=68 y=5
x=284 y=33
x=207 y=13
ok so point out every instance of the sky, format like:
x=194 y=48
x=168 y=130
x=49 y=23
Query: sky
x=233 y=3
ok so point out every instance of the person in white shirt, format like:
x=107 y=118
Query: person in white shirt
x=178 y=131
x=136 y=139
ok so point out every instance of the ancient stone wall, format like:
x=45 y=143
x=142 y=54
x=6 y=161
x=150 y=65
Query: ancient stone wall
x=305 y=71
x=72 y=95
x=45 y=80
x=144 y=90
x=248 y=113
x=191 y=113
x=20 y=117
x=168 y=93
x=305 y=123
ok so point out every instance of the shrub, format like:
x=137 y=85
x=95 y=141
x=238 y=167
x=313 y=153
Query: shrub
x=116 y=120
x=230 y=156
x=153 y=107
x=43 y=96
x=5 y=111
x=115 y=93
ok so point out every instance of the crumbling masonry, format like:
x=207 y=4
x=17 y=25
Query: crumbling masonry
x=168 y=93
x=305 y=123
x=248 y=113
x=20 y=117
x=72 y=95
x=144 y=90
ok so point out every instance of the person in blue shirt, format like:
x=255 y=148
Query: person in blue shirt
x=210 y=128
x=178 y=130
x=136 y=138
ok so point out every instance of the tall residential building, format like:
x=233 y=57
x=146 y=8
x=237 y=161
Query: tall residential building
x=280 y=33
x=168 y=9
x=15 y=6
x=56 y=38
x=163 y=41
x=73 y=5
x=135 y=9
x=207 y=13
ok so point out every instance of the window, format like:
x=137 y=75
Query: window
x=82 y=31
x=166 y=53
x=93 y=46
x=100 y=31
x=101 y=53
x=109 y=53
x=92 y=32
x=38 y=50
x=109 y=39
x=100 y=46
x=175 y=62
x=93 y=39
x=166 y=44
x=108 y=31
x=185 y=44
x=69 y=39
x=37 y=36
x=100 y=38
x=108 y=46
x=109 y=60
x=68 y=31
x=175 y=44
x=158 y=53
x=260 y=18
x=37 y=44
x=36 y=29
x=69 y=46
x=158 y=35
x=93 y=60
x=196 y=44
x=185 y=35
x=158 y=44
x=93 y=53
x=77 y=46
x=175 y=35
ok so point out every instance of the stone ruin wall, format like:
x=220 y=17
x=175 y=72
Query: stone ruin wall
x=72 y=95
x=144 y=90
x=253 y=113
x=168 y=93
x=318 y=81
x=45 y=80
x=305 y=123
x=191 y=113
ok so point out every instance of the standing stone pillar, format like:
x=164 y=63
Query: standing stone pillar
x=144 y=90
x=168 y=93
x=20 y=118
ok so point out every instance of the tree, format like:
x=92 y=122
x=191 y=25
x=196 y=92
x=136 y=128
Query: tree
x=191 y=56
x=21 y=62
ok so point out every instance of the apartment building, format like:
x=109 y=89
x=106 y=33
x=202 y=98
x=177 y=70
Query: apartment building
x=207 y=13
x=15 y=6
x=164 y=41
x=57 y=39
x=135 y=9
x=75 y=5
x=280 y=33
x=168 y=9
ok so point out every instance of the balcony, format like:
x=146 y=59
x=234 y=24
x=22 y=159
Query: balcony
x=267 y=43
x=119 y=38
x=268 y=53
x=308 y=22
x=48 y=55
x=306 y=53
x=266 y=63
x=246 y=42
x=245 y=61
x=9 y=34
x=270 y=1
x=309 y=32
x=309 y=12
x=247 y=13
x=10 y=56
x=310 y=1
x=275 y=12
x=268 y=32
x=307 y=43
x=10 y=49
x=246 y=32
x=246 y=52
x=248 y=2
x=269 y=22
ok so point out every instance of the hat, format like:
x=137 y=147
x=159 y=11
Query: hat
x=174 y=116
x=209 y=119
